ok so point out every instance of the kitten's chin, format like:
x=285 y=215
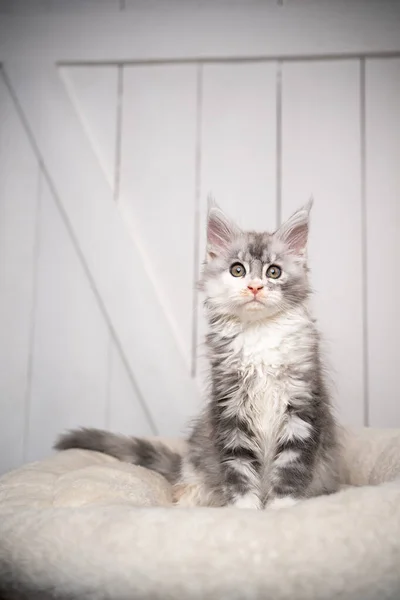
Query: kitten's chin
x=255 y=311
x=254 y=306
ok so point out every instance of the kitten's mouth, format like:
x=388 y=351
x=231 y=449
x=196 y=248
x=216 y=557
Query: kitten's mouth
x=254 y=302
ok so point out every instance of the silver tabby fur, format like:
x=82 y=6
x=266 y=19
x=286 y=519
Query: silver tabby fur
x=266 y=436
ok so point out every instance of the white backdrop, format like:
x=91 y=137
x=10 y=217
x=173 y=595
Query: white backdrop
x=116 y=120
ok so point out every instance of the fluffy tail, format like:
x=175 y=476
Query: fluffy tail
x=152 y=455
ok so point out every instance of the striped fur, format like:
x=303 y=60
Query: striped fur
x=266 y=435
x=151 y=455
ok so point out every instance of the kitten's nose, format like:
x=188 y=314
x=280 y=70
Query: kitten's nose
x=255 y=287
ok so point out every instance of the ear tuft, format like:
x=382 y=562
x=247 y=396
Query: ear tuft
x=221 y=231
x=294 y=231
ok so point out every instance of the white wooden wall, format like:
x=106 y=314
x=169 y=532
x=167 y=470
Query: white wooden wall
x=108 y=148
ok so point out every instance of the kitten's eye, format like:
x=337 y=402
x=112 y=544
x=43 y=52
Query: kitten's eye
x=237 y=270
x=274 y=272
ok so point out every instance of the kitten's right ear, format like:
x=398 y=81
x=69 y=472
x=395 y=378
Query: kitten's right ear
x=221 y=231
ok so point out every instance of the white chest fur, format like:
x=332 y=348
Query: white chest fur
x=266 y=351
x=273 y=344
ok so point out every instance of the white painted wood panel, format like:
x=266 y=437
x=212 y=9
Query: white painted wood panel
x=238 y=141
x=94 y=93
x=238 y=158
x=70 y=352
x=157 y=183
x=321 y=156
x=184 y=133
x=109 y=252
x=125 y=413
x=19 y=177
x=383 y=248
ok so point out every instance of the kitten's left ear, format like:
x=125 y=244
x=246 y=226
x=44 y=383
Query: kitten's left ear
x=294 y=232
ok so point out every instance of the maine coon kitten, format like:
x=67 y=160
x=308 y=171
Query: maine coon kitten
x=266 y=435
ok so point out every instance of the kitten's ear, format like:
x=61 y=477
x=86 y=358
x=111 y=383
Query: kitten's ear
x=294 y=232
x=221 y=231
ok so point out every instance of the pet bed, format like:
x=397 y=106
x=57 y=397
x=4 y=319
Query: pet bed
x=81 y=525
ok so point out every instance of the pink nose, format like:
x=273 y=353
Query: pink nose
x=255 y=288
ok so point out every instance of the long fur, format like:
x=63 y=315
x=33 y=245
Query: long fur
x=153 y=455
x=266 y=435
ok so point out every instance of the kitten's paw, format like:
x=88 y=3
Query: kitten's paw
x=248 y=500
x=285 y=502
x=193 y=494
x=186 y=495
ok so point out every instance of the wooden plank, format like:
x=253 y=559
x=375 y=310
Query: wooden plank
x=19 y=176
x=157 y=185
x=70 y=352
x=214 y=30
x=125 y=412
x=321 y=156
x=94 y=93
x=383 y=246
x=239 y=141
x=111 y=257
x=238 y=158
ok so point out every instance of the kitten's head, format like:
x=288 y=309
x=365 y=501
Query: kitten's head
x=252 y=275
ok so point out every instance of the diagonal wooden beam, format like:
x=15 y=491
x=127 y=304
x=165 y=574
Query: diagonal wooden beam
x=112 y=260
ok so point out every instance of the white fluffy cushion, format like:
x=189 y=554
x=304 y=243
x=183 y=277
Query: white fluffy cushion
x=82 y=525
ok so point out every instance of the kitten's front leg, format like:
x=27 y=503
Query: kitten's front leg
x=241 y=467
x=293 y=466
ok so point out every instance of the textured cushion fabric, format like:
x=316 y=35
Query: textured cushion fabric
x=82 y=525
